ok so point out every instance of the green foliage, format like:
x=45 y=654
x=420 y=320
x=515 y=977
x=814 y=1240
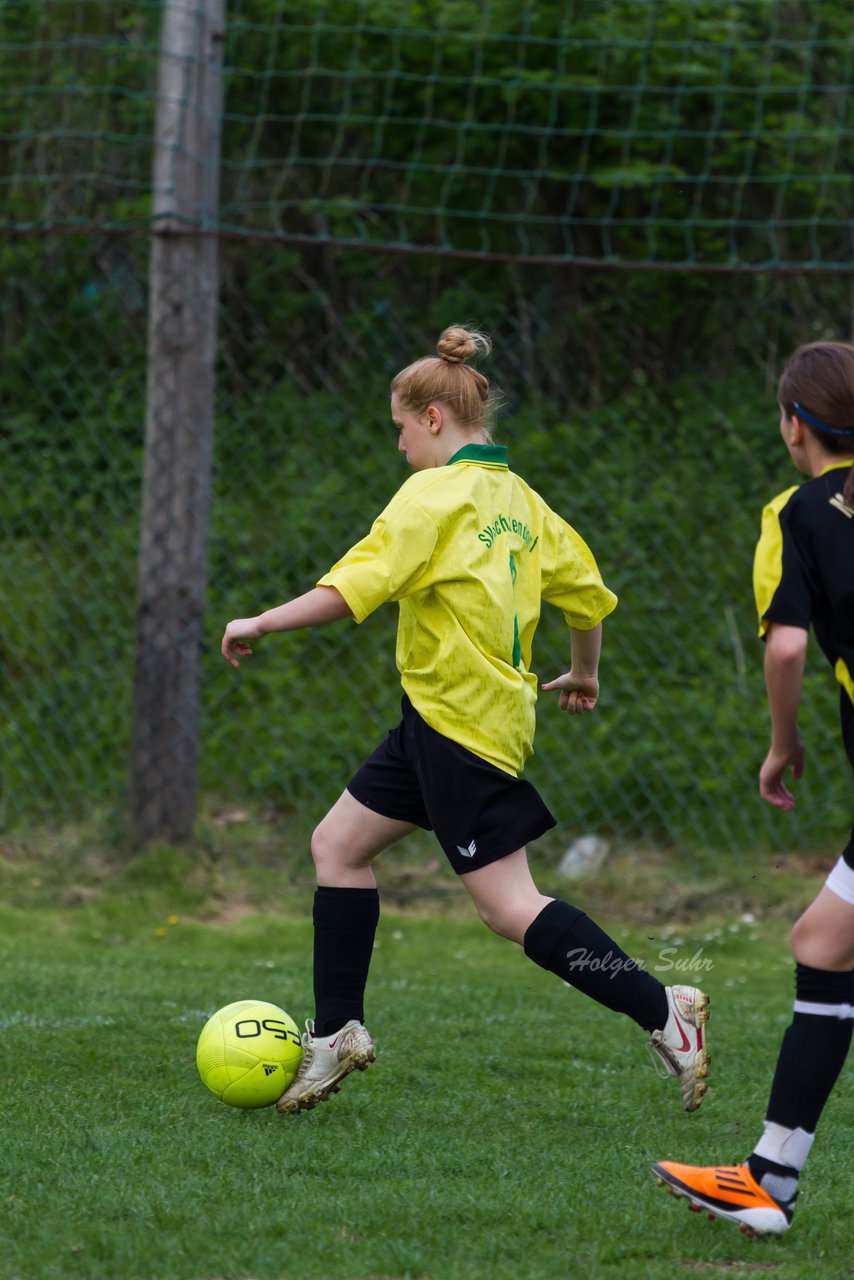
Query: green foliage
x=674 y=133
x=630 y=132
x=673 y=751
x=640 y=404
x=76 y=110
x=665 y=483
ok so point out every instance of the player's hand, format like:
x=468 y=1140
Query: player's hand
x=771 y=785
x=577 y=693
x=236 y=639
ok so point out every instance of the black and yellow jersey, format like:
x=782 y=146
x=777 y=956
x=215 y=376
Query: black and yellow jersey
x=803 y=572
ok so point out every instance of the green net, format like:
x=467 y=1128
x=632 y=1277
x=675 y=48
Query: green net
x=387 y=169
x=669 y=133
x=690 y=134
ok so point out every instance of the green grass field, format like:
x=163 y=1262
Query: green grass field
x=506 y=1129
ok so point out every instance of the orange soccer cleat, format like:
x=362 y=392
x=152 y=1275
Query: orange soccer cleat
x=729 y=1192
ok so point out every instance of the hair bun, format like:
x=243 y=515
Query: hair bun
x=457 y=343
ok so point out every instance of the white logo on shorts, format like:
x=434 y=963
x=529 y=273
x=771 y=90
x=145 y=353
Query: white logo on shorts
x=469 y=852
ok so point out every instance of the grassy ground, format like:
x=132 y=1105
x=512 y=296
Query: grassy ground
x=505 y=1131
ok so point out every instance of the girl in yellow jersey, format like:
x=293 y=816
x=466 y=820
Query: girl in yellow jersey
x=469 y=552
x=803 y=577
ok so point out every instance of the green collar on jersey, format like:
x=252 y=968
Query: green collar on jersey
x=494 y=455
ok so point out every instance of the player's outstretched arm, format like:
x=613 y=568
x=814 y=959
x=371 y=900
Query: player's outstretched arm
x=785 y=659
x=579 y=687
x=314 y=609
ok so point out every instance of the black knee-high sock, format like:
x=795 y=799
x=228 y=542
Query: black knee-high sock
x=345 y=922
x=811 y=1057
x=814 y=1047
x=568 y=943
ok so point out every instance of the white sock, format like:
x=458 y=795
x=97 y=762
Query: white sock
x=789 y=1147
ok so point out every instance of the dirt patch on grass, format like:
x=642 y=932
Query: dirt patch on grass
x=240 y=866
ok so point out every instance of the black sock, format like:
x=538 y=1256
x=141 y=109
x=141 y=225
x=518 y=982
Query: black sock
x=568 y=943
x=814 y=1047
x=345 y=922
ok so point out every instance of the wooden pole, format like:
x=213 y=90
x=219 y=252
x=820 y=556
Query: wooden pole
x=183 y=284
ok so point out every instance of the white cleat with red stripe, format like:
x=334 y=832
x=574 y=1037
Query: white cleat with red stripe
x=326 y=1061
x=681 y=1045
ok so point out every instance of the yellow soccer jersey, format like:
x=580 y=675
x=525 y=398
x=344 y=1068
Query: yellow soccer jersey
x=469 y=550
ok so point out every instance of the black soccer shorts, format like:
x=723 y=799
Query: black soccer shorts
x=478 y=812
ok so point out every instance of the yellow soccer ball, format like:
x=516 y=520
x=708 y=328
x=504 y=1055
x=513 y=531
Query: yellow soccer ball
x=248 y=1053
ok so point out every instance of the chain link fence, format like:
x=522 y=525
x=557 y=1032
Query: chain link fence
x=640 y=401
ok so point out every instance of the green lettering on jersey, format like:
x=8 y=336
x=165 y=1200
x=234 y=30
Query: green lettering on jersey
x=503 y=524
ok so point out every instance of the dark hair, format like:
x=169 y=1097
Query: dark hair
x=446 y=379
x=818 y=379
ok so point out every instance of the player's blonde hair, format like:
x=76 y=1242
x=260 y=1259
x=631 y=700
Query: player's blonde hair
x=446 y=379
x=817 y=383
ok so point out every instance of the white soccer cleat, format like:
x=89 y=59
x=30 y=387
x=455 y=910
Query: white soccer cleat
x=681 y=1047
x=326 y=1061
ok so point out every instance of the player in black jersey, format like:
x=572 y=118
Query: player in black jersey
x=803 y=577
